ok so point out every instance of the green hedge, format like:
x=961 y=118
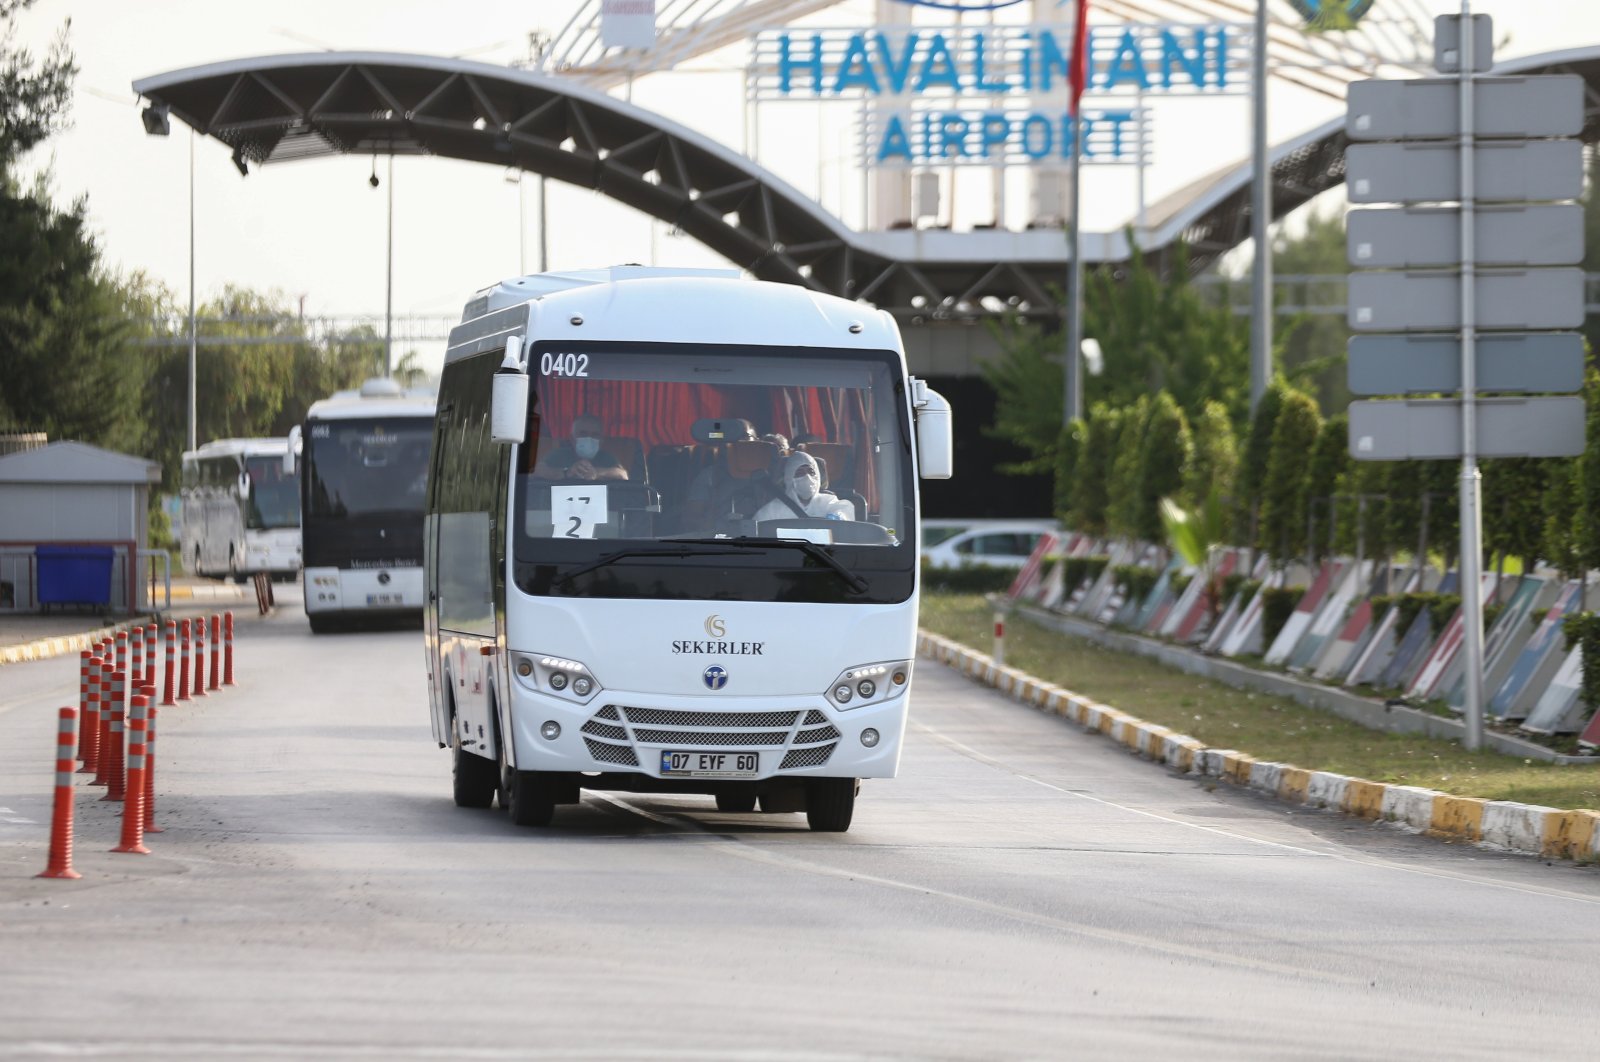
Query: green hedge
x=1077 y=569
x=1276 y=608
x=1137 y=581
x=970 y=579
x=1584 y=629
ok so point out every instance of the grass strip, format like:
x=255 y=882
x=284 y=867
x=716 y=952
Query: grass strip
x=1266 y=727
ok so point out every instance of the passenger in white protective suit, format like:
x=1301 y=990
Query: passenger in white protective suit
x=801 y=481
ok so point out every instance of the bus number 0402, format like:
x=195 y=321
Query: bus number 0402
x=564 y=364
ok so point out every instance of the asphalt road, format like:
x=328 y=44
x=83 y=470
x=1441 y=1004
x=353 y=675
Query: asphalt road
x=1021 y=891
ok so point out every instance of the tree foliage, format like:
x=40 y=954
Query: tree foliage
x=1214 y=462
x=1284 y=491
x=1312 y=345
x=1164 y=460
x=1588 y=476
x=35 y=93
x=1330 y=457
x=1091 y=493
x=1513 y=517
x=1122 y=491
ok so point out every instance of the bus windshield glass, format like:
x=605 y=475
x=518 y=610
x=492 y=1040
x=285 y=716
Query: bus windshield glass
x=745 y=473
x=274 y=500
x=366 y=467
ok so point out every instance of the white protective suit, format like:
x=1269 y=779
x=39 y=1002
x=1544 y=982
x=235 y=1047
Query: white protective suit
x=801 y=480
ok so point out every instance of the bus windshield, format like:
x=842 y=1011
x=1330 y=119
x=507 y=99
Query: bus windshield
x=366 y=467
x=274 y=500
x=750 y=473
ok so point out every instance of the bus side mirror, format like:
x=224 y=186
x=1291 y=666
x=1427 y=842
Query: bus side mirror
x=935 y=449
x=508 y=410
x=288 y=454
x=244 y=484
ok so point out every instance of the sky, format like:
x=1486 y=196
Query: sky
x=315 y=230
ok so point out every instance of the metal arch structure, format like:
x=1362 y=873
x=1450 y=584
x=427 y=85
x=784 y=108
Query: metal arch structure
x=282 y=108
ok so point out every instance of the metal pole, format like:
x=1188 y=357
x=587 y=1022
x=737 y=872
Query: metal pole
x=1260 y=215
x=388 y=287
x=544 y=241
x=522 y=225
x=1471 y=516
x=1072 y=383
x=193 y=340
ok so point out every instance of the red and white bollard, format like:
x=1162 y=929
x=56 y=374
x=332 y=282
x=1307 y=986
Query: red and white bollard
x=150 y=764
x=121 y=661
x=135 y=668
x=200 y=656
x=84 y=656
x=184 y=636
x=133 y=807
x=102 y=767
x=116 y=770
x=216 y=649
x=60 y=864
x=999 y=653
x=149 y=655
x=227 y=648
x=172 y=660
x=89 y=721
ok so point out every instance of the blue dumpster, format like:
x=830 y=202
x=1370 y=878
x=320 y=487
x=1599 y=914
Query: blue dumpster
x=74 y=575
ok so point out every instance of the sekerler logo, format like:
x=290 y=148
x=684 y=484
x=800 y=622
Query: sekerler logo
x=1332 y=14
x=715 y=628
x=715 y=677
x=962 y=5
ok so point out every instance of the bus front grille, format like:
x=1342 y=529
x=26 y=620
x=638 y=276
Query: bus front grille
x=621 y=755
x=804 y=737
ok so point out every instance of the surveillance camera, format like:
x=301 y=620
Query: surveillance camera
x=156 y=120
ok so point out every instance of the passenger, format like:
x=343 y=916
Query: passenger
x=710 y=494
x=802 y=495
x=582 y=457
x=779 y=441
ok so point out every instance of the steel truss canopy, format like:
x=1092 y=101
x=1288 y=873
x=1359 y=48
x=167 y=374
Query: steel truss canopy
x=283 y=108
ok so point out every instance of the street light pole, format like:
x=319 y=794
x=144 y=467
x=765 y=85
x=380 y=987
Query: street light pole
x=388 y=288
x=193 y=339
x=1471 y=518
x=1260 y=215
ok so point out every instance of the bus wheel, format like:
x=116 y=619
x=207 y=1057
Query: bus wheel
x=740 y=800
x=528 y=798
x=830 y=804
x=233 y=567
x=474 y=777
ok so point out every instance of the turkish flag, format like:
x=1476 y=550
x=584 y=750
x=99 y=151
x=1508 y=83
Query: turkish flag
x=1079 y=76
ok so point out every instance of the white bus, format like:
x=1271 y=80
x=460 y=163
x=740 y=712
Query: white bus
x=623 y=594
x=240 y=509
x=363 y=473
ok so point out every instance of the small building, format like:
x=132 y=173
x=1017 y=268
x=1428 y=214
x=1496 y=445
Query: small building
x=73 y=494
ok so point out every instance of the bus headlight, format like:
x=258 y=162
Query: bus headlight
x=870 y=684
x=568 y=678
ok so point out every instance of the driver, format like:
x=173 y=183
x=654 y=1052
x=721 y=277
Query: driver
x=800 y=480
x=581 y=457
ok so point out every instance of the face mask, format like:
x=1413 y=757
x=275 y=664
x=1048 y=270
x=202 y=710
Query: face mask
x=586 y=447
x=805 y=488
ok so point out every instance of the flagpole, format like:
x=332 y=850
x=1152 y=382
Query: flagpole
x=1072 y=383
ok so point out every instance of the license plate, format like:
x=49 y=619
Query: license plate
x=710 y=764
x=383 y=599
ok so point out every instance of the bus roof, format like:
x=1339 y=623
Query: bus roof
x=629 y=304
x=376 y=398
x=245 y=447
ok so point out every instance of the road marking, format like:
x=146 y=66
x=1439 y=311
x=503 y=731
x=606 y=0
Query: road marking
x=258 y=1049
x=1341 y=856
x=735 y=845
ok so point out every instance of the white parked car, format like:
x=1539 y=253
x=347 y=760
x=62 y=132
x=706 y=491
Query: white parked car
x=981 y=543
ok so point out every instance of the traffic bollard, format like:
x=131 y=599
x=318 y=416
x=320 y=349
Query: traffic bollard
x=84 y=656
x=216 y=649
x=116 y=772
x=60 y=862
x=89 y=722
x=183 y=664
x=171 y=639
x=133 y=807
x=102 y=767
x=999 y=653
x=227 y=648
x=200 y=656
x=150 y=634
x=121 y=661
x=150 y=764
x=135 y=668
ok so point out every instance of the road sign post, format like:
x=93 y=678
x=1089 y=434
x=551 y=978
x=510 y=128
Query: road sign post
x=1435 y=141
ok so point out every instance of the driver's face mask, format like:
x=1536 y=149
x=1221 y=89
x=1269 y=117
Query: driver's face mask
x=586 y=446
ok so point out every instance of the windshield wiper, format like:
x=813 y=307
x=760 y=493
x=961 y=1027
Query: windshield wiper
x=811 y=549
x=642 y=551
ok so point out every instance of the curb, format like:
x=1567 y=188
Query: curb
x=1501 y=825
x=60 y=645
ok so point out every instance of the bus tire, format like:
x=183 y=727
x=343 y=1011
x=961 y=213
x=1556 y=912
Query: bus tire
x=738 y=801
x=474 y=778
x=528 y=798
x=830 y=804
x=320 y=624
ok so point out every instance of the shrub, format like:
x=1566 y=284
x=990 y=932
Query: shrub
x=1136 y=581
x=1276 y=609
x=969 y=579
x=1584 y=629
